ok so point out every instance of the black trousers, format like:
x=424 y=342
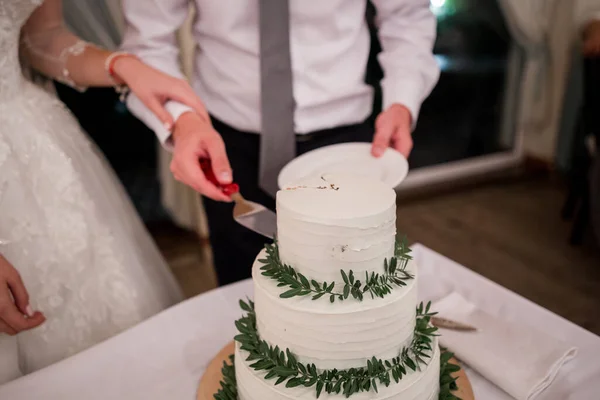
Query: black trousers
x=591 y=96
x=591 y=121
x=235 y=247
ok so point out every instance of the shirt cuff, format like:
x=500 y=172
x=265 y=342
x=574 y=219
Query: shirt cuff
x=139 y=109
x=406 y=93
x=176 y=109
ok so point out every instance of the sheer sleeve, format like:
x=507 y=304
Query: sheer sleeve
x=49 y=47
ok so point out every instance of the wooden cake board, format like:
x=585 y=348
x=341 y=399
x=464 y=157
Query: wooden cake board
x=210 y=382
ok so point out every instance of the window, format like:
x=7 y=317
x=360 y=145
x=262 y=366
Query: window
x=470 y=114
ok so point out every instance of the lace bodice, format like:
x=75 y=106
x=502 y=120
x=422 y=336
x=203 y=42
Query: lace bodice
x=13 y=14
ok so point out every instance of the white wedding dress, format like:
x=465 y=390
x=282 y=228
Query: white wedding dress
x=82 y=251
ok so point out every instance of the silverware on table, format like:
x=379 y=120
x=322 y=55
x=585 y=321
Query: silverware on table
x=444 y=323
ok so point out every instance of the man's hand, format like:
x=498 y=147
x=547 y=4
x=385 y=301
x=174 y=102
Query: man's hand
x=591 y=39
x=16 y=315
x=393 y=129
x=195 y=138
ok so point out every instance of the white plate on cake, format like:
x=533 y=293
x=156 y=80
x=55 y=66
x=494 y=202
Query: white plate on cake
x=391 y=168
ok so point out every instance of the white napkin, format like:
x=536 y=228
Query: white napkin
x=519 y=359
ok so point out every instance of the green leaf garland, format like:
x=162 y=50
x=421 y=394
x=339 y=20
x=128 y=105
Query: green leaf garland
x=376 y=285
x=228 y=390
x=282 y=365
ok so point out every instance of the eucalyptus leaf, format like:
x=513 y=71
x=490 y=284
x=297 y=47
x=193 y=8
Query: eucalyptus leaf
x=298 y=285
x=283 y=366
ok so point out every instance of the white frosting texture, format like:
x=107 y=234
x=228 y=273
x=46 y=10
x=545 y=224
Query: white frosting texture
x=324 y=225
x=341 y=335
x=336 y=222
x=419 y=385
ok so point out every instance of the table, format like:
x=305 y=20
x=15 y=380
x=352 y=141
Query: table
x=164 y=357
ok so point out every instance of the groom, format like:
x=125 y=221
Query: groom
x=278 y=78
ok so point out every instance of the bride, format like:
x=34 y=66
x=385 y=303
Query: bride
x=89 y=266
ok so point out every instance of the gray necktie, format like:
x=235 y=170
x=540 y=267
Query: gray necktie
x=278 y=142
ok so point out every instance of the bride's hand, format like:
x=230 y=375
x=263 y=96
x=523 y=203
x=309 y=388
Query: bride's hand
x=155 y=88
x=16 y=315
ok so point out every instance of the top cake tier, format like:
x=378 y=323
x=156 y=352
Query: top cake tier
x=335 y=222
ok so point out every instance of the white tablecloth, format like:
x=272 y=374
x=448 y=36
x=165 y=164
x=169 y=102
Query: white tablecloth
x=164 y=357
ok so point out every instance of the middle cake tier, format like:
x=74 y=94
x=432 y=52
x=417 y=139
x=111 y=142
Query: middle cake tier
x=340 y=335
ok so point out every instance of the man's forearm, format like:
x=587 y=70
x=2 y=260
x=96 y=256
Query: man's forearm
x=150 y=34
x=407 y=31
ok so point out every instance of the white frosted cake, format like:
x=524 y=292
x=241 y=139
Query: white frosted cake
x=335 y=311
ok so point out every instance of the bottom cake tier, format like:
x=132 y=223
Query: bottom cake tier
x=422 y=384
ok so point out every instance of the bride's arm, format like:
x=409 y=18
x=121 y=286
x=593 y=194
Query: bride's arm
x=51 y=49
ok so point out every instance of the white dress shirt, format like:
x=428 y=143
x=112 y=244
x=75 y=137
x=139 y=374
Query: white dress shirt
x=329 y=42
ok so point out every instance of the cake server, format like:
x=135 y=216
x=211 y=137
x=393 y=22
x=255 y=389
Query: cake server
x=253 y=216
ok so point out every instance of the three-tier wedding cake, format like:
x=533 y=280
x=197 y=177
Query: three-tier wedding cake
x=335 y=310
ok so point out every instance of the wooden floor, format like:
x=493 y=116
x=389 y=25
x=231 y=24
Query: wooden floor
x=190 y=260
x=513 y=234
x=510 y=232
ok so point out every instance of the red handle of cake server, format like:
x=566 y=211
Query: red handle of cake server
x=227 y=189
